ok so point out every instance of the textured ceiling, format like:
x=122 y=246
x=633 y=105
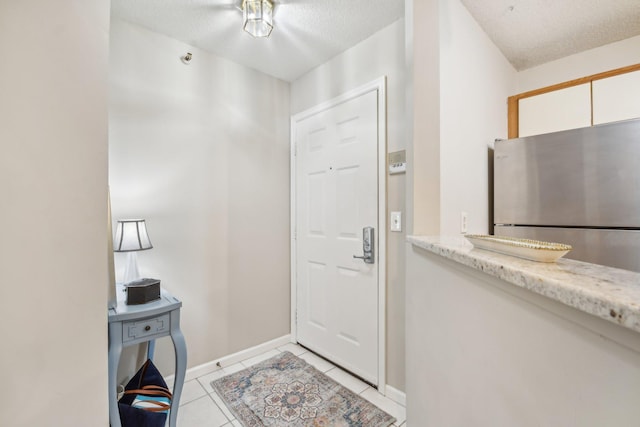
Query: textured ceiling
x=309 y=32
x=532 y=32
x=306 y=32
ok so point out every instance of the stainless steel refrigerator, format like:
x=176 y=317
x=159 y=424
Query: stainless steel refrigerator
x=580 y=187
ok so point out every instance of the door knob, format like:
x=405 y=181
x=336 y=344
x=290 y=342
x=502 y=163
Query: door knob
x=368 y=246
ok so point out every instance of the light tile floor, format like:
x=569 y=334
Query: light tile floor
x=200 y=406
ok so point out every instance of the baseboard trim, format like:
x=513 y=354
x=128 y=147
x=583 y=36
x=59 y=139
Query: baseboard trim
x=396 y=395
x=231 y=359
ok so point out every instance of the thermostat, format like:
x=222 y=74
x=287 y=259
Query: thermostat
x=397 y=162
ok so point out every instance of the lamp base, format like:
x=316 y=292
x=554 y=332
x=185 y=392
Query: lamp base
x=131 y=272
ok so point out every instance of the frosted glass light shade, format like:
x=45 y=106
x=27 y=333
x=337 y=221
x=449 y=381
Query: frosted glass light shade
x=257 y=17
x=131 y=235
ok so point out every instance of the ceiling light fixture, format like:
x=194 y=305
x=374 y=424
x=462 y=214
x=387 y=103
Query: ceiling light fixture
x=257 y=17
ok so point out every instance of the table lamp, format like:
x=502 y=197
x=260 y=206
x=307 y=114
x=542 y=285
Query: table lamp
x=131 y=237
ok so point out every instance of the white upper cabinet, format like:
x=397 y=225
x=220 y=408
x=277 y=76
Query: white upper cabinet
x=616 y=98
x=562 y=109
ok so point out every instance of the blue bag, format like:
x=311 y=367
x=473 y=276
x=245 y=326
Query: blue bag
x=146 y=400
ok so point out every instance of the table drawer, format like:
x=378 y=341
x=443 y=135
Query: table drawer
x=146 y=328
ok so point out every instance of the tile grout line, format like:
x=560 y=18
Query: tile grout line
x=219 y=408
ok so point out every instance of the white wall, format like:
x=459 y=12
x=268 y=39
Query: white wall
x=422 y=54
x=53 y=175
x=475 y=81
x=461 y=83
x=201 y=151
x=483 y=352
x=467 y=359
x=382 y=54
x=593 y=61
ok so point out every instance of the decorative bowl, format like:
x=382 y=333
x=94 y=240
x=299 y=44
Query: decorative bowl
x=533 y=250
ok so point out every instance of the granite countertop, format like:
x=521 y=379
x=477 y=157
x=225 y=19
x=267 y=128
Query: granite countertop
x=609 y=293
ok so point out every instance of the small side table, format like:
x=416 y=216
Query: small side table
x=135 y=324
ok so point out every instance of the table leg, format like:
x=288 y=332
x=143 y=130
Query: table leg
x=180 y=348
x=151 y=348
x=115 y=350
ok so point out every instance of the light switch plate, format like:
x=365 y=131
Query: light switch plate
x=396 y=221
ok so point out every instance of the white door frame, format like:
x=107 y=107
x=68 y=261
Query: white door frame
x=378 y=85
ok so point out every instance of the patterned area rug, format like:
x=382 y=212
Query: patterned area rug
x=286 y=391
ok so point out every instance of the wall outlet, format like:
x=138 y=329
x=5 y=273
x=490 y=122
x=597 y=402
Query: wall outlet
x=463 y=222
x=396 y=221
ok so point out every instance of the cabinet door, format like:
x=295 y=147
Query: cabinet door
x=616 y=98
x=562 y=109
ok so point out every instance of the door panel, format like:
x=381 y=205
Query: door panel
x=317 y=292
x=316 y=188
x=336 y=197
x=347 y=202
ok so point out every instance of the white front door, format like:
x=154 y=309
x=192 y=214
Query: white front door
x=336 y=197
